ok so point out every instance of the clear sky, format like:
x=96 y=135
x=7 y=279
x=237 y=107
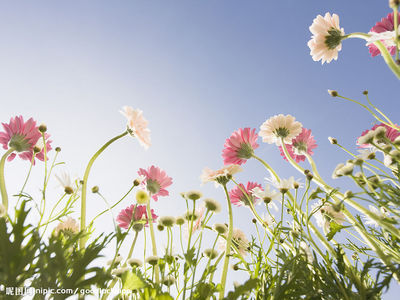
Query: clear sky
x=198 y=69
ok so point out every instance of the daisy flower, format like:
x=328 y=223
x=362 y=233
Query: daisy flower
x=280 y=127
x=240 y=198
x=267 y=195
x=382 y=213
x=137 y=125
x=368 y=136
x=239 y=240
x=138 y=213
x=23 y=137
x=326 y=40
x=283 y=185
x=64 y=180
x=156 y=181
x=240 y=146
x=325 y=214
x=69 y=225
x=301 y=144
x=268 y=220
x=221 y=176
x=383 y=31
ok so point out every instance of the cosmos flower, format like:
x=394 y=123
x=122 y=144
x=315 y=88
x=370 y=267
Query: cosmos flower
x=221 y=176
x=368 y=135
x=325 y=214
x=268 y=195
x=239 y=240
x=383 y=31
x=326 y=40
x=23 y=137
x=64 y=180
x=137 y=125
x=138 y=213
x=280 y=127
x=301 y=144
x=156 y=181
x=240 y=198
x=69 y=225
x=240 y=146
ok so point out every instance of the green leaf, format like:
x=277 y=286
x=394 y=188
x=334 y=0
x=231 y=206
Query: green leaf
x=131 y=281
x=334 y=228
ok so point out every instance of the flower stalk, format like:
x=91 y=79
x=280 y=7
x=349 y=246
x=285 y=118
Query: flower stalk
x=228 y=246
x=85 y=180
x=4 y=195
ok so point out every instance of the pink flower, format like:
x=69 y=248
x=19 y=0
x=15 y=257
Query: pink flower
x=23 y=137
x=138 y=213
x=390 y=133
x=386 y=24
x=303 y=143
x=240 y=146
x=237 y=196
x=156 y=180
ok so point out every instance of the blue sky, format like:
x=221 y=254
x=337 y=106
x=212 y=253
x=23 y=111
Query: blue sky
x=198 y=69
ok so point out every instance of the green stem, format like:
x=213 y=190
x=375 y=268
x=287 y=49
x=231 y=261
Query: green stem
x=84 y=185
x=132 y=247
x=4 y=195
x=384 y=52
x=153 y=240
x=228 y=246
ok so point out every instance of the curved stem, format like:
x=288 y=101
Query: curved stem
x=384 y=52
x=84 y=185
x=4 y=195
x=228 y=246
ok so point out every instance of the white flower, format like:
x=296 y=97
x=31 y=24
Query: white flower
x=117 y=260
x=382 y=213
x=283 y=185
x=64 y=180
x=119 y=271
x=239 y=240
x=69 y=225
x=137 y=125
x=267 y=195
x=222 y=175
x=343 y=170
x=386 y=37
x=326 y=40
x=268 y=220
x=325 y=214
x=366 y=154
x=280 y=127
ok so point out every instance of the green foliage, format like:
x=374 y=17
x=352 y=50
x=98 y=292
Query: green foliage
x=62 y=264
x=18 y=249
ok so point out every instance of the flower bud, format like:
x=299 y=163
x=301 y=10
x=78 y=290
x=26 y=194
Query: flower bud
x=180 y=221
x=365 y=92
x=95 y=189
x=333 y=93
x=152 y=260
x=58 y=149
x=332 y=140
x=212 y=205
x=220 y=228
x=194 y=195
x=134 y=262
x=211 y=253
x=42 y=128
